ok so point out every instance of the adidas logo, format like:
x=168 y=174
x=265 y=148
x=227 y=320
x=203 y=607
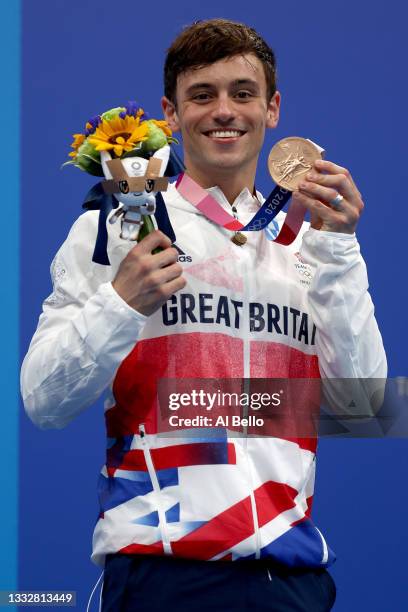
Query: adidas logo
x=182 y=258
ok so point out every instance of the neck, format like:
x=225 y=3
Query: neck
x=230 y=182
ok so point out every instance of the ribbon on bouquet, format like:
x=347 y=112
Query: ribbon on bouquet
x=98 y=199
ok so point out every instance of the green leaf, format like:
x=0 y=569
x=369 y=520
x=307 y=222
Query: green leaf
x=89 y=164
x=113 y=112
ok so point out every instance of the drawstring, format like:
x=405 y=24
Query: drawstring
x=93 y=591
x=100 y=599
x=269 y=574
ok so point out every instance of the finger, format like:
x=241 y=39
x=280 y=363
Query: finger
x=352 y=205
x=323 y=165
x=318 y=209
x=145 y=263
x=318 y=192
x=336 y=183
x=163 y=258
x=165 y=275
x=350 y=209
x=152 y=241
x=168 y=289
x=330 y=167
x=332 y=220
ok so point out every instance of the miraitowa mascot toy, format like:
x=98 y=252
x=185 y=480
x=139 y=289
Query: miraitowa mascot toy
x=133 y=153
x=134 y=181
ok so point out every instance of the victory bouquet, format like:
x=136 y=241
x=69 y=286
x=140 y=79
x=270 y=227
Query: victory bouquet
x=132 y=152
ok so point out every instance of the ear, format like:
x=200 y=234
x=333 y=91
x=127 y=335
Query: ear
x=163 y=154
x=105 y=156
x=170 y=114
x=272 y=116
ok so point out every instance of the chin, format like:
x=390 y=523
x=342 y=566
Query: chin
x=217 y=162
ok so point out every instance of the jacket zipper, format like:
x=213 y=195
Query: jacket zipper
x=247 y=374
x=156 y=488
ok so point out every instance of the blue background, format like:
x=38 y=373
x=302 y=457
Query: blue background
x=342 y=76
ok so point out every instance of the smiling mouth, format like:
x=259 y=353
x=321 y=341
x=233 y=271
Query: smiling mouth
x=224 y=133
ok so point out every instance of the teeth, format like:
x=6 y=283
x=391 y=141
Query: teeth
x=224 y=134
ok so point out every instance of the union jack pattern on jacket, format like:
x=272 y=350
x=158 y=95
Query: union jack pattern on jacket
x=258 y=311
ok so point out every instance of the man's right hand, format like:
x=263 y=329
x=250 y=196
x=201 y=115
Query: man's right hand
x=146 y=281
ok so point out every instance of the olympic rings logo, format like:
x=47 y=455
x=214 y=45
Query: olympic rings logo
x=258 y=224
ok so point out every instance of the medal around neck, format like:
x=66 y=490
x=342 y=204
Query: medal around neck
x=132 y=152
x=289 y=159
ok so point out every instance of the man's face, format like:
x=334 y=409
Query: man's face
x=222 y=112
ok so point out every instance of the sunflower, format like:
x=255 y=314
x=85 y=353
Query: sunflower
x=119 y=134
x=78 y=140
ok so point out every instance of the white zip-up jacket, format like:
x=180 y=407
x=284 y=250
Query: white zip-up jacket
x=257 y=311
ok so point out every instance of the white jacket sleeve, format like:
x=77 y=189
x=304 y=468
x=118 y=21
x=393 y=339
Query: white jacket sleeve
x=348 y=341
x=84 y=333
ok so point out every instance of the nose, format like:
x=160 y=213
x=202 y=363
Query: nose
x=223 y=111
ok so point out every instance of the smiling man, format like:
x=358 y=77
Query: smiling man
x=221 y=523
x=222 y=111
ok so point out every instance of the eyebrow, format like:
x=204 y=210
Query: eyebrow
x=246 y=82
x=237 y=82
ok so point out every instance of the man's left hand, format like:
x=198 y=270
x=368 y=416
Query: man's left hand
x=321 y=186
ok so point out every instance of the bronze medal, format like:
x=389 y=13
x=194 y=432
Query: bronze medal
x=290 y=159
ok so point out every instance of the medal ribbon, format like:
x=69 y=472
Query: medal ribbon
x=208 y=205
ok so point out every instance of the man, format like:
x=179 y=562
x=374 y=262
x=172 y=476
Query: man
x=194 y=523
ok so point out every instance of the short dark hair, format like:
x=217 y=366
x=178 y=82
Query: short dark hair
x=206 y=42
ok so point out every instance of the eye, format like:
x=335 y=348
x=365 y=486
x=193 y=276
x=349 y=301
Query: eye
x=243 y=95
x=124 y=186
x=149 y=185
x=202 y=97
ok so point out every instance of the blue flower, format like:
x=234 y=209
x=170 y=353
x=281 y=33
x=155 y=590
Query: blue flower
x=132 y=108
x=92 y=124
